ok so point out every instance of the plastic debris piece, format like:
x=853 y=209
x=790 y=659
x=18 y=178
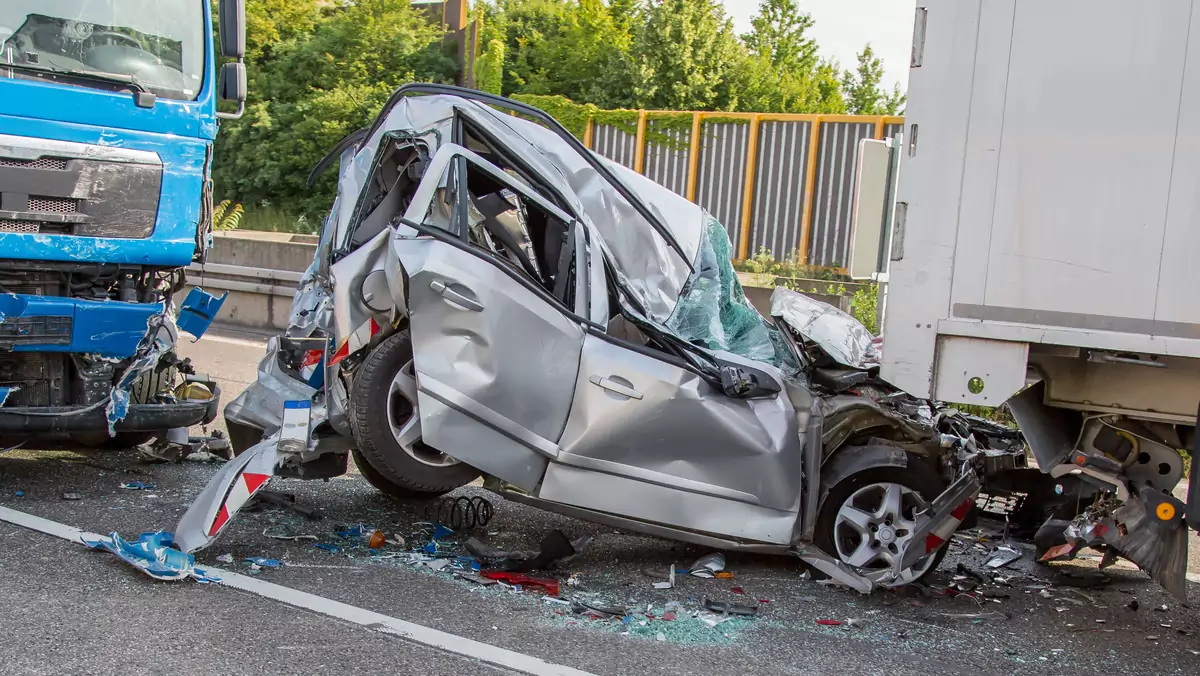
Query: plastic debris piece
x=285 y=533
x=377 y=540
x=855 y=622
x=1045 y=593
x=19 y=494
x=396 y=541
x=225 y=558
x=670 y=617
x=1162 y=608
x=724 y=575
x=137 y=486
x=660 y=636
x=662 y=585
x=264 y=562
x=829 y=623
x=1004 y=556
x=332 y=549
x=709 y=565
x=437 y=564
x=551 y=599
x=549 y=584
x=1152 y=637
x=72 y=496
x=737 y=590
x=574 y=580
x=353 y=532
x=555 y=546
x=154 y=554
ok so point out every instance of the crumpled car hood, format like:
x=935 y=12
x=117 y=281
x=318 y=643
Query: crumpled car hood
x=838 y=334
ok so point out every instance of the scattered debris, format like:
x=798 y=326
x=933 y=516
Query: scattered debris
x=709 y=565
x=72 y=496
x=154 y=554
x=263 y=562
x=19 y=494
x=829 y=623
x=225 y=558
x=137 y=486
x=1045 y=593
x=670 y=583
x=475 y=579
x=287 y=501
x=522 y=580
x=737 y=590
x=1004 y=556
x=723 y=608
x=332 y=549
x=855 y=622
x=976 y=616
x=286 y=533
x=1162 y=608
x=554 y=547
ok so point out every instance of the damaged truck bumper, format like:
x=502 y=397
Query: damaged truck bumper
x=138 y=417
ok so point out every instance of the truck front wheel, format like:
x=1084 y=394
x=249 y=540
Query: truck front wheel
x=386 y=425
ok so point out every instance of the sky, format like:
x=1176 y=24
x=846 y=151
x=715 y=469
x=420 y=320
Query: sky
x=842 y=27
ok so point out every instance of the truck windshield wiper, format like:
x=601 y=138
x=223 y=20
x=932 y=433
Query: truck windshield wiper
x=98 y=76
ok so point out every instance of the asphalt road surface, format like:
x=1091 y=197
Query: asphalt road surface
x=65 y=609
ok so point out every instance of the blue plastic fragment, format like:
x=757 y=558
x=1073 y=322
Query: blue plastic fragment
x=355 y=532
x=154 y=554
x=264 y=562
x=440 y=531
x=138 y=486
x=198 y=311
x=328 y=548
x=20 y=494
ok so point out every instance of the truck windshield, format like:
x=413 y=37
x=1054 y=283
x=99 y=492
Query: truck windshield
x=159 y=44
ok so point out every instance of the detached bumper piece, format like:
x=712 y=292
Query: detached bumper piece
x=140 y=417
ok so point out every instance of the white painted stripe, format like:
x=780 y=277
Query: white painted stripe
x=451 y=643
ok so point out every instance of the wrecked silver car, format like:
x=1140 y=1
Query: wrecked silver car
x=491 y=298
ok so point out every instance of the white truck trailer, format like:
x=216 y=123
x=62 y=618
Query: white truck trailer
x=1045 y=246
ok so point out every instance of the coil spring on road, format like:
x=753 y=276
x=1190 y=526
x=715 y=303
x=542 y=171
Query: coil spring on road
x=460 y=513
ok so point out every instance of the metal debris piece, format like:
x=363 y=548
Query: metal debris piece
x=1152 y=638
x=1004 y=556
x=723 y=608
x=709 y=565
x=1162 y=608
x=437 y=564
x=475 y=579
x=976 y=616
x=1045 y=593
x=72 y=496
x=263 y=562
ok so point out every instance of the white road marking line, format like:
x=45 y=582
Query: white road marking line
x=451 y=643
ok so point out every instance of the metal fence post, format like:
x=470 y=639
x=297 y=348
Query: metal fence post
x=589 y=131
x=694 y=156
x=639 y=153
x=810 y=180
x=748 y=190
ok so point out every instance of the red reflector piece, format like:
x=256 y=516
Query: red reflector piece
x=960 y=512
x=220 y=521
x=932 y=542
x=254 y=481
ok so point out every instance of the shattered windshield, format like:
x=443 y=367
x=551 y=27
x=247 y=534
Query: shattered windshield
x=160 y=44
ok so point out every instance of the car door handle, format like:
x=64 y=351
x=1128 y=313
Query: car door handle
x=615 y=387
x=455 y=298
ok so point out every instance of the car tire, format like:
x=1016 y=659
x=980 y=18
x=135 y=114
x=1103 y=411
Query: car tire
x=379 y=456
x=917 y=477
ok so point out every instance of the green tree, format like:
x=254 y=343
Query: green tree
x=777 y=35
x=864 y=95
x=784 y=72
x=315 y=87
x=684 y=57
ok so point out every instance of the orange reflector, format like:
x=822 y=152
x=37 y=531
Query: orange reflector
x=1165 y=511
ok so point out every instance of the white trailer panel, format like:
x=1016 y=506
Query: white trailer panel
x=1049 y=187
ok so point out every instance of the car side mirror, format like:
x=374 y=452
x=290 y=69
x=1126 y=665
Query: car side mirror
x=746 y=382
x=233 y=29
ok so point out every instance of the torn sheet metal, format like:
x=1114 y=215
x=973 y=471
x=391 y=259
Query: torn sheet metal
x=838 y=334
x=226 y=493
x=5 y=392
x=160 y=339
x=153 y=554
x=261 y=404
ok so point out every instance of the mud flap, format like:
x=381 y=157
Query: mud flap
x=938 y=522
x=198 y=311
x=228 y=491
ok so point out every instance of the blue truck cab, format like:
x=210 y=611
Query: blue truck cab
x=108 y=112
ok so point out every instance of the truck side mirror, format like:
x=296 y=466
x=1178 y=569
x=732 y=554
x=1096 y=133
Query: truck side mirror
x=233 y=29
x=232 y=85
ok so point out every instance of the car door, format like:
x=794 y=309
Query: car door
x=651 y=417
x=496 y=354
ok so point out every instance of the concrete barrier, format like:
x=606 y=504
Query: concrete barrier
x=260 y=271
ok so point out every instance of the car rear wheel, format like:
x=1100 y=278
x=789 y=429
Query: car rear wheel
x=387 y=428
x=868 y=518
